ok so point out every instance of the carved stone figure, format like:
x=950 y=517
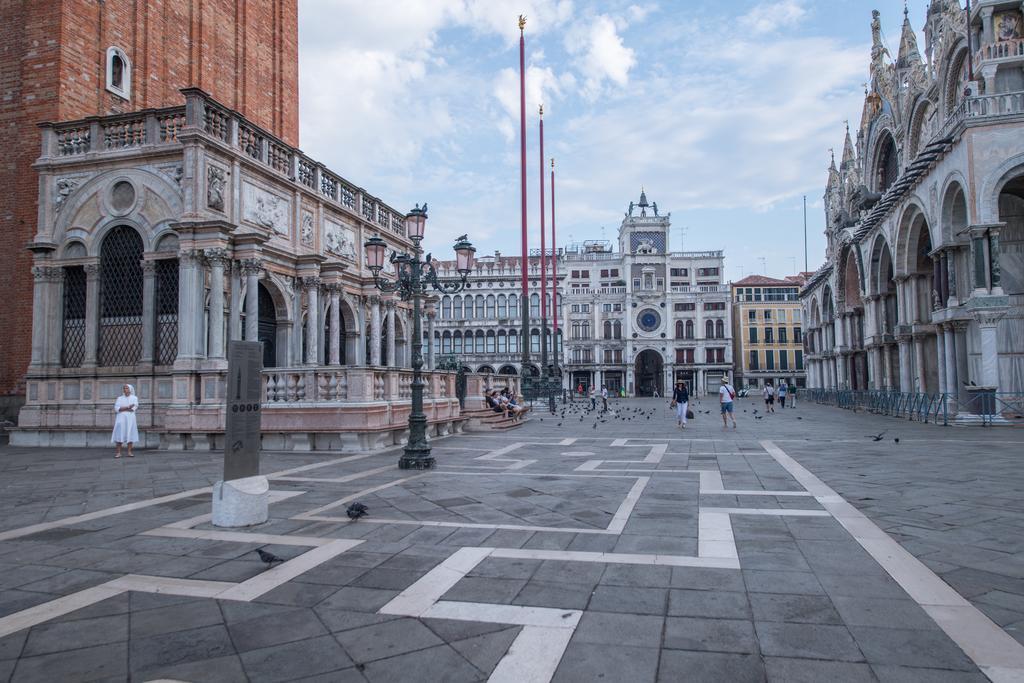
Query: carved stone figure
x=65 y=186
x=215 y=182
x=265 y=209
x=339 y=240
x=307 y=229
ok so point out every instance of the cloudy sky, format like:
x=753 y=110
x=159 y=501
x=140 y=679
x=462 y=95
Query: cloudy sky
x=724 y=110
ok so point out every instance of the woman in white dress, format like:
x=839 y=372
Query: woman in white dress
x=126 y=430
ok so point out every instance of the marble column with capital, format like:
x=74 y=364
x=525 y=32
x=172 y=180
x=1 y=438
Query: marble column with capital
x=312 y=287
x=45 y=310
x=920 y=380
x=952 y=379
x=940 y=358
x=392 y=311
x=375 y=304
x=334 y=355
x=988 y=327
x=148 y=311
x=251 y=269
x=190 y=304
x=431 y=316
x=906 y=365
x=963 y=372
x=216 y=259
x=235 y=305
x=92 y=315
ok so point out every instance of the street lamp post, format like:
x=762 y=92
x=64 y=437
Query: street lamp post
x=413 y=279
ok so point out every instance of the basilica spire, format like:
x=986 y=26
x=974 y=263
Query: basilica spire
x=848 y=155
x=909 y=54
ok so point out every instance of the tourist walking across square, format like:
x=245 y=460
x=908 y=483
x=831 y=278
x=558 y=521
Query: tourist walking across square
x=681 y=402
x=769 y=397
x=593 y=397
x=726 y=394
x=783 y=389
x=604 y=398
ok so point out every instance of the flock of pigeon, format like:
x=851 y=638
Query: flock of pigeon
x=354 y=512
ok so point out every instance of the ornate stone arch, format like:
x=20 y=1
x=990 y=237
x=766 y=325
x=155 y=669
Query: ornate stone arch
x=954 y=211
x=952 y=62
x=907 y=232
x=881 y=256
x=993 y=185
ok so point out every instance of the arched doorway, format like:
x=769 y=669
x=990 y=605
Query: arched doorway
x=507 y=370
x=267 y=327
x=121 y=279
x=650 y=374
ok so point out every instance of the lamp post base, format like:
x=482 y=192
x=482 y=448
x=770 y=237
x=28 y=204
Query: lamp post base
x=416 y=459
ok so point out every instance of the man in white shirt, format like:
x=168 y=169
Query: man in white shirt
x=726 y=394
x=604 y=397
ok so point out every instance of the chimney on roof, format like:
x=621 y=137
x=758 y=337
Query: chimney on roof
x=497 y=254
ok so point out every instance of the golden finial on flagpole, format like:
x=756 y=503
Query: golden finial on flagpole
x=542 y=111
x=522 y=22
x=552 y=162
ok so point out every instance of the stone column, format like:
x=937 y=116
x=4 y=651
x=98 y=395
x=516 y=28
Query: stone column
x=979 y=260
x=988 y=325
x=392 y=311
x=312 y=287
x=431 y=315
x=92 y=315
x=148 y=311
x=949 y=360
x=963 y=372
x=295 y=355
x=190 y=304
x=995 y=276
x=335 y=324
x=906 y=359
x=251 y=268
x=952 y=298
x=940 y=358
x=919 y=366
x=235 y=319
x=375 y=331
x=217 y=259
x=44 y=312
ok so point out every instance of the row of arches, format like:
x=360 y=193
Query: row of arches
x=489 y=306
x=489 y=341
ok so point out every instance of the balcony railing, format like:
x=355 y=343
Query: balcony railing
x=204 y=116
x=321 y=384
x=1004 y=49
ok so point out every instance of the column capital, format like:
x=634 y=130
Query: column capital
x=374 y=299
x=960 y=325
x=47 y=273
x=310 y=282
x=250 y=266
x=91 y=270
x=217 y=256
x=148 y=266
x=189 y=257
x=334 y=288
x=989 y=318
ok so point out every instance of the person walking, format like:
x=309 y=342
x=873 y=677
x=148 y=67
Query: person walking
x=126 y=429
x=792 y=396
x=604 y=398
x=769 y=397
x=783 y=389
x=726 y=394
x=593 y=397
x=579 y=389
x=681 y=402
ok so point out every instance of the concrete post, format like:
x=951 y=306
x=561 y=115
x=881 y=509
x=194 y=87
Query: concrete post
x=952 y=381
x=906 y=361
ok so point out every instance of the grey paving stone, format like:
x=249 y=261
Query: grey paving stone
x=709 y=667
x=716 y=635
x=619 y=629
x=488 y=590
x=700 y=578
x=629 y=600
x=806 y=609
x=299 y=594
x=913 y=648
x=792 y=583
x=786 y=670
x=591 y=662
x=560 y=595
x=712 y=604
x=637 y=575
x=179 y=647
x=359 y=599
x=875 y=584
x=175 y=617
x=486 y=650
x=450 y=630
x=809 y=641
x=68 y=581
x=12 y=645
x=295 y=660
x=890 y=613
x=903 y=674
x=387 y=639
x=227 y=668
x=504 y=568
x=391 y=579
x=91 y=663
x=286 y=627
x=440 y=663
x=72 y=635
x=336 y=619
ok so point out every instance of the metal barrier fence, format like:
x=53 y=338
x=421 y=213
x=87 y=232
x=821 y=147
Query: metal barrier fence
x=983 y=407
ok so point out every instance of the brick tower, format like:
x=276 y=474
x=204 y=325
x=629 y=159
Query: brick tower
x=68 y=59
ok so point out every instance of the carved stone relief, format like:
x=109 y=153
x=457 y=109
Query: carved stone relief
x=65 y=186
x=216 y=180
x=307 y=228
x=339 y=239
x=265 y=209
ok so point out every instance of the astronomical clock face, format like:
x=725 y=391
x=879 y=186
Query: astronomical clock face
x=648 y=320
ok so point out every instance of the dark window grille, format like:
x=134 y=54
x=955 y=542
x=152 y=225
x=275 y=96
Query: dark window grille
x=266 y=331
x=73 y=344
x=120 y=298
x=166 y=311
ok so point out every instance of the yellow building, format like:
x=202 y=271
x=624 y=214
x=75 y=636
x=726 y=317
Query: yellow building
x=767 y=331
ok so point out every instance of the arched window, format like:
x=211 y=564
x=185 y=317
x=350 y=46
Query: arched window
x=534 y=306
x=120 y=298
x=502 y=342
x=446 y=343
x=480 y=341
x=585 y=329
x=607 y=329
x=513 y=341
x=534 y=341
x=719 y=329
x=709 y=329
x=119 y=72
x=502 y=306
x=446 y=308
x=73 y=341
x=679 y=329
x=437 y=344
x=480 y=311
x=888 y=168
x=618 y=329
x=457 y=342
x=490 y=307
x=689 y=329
x=513 y=306
x=166 y=293
x=457 y=308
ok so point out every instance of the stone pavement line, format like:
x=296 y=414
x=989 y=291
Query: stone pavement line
x=312 y=514
x=998 y=655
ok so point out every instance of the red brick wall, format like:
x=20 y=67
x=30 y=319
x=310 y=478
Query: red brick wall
x=52 y=68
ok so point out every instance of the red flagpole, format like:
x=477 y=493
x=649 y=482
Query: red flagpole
x=525 y=263
x=543 y=259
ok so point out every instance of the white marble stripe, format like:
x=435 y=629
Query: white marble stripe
x=504 y=614
x=711 y=481
x=415 y=600
x=238 y=537
x=533 y=656
x=339 y=480
x=286 y=571
x=619 y=442
x=615 y=558
x=566 y=442
x=347 y=499
x=195 y=588
x=731 y=492
x=32 y=616
x=621 y=516
x=997 y=654
x=770 y=512
x=459 y=525
x=496 y=454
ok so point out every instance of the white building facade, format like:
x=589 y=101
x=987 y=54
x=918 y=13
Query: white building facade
x=922 y=289
x=639 y=318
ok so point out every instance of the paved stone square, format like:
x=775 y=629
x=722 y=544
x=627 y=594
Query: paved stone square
x=577 y=548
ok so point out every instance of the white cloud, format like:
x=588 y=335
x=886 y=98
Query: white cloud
x=599 y=54
x=768 y=17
